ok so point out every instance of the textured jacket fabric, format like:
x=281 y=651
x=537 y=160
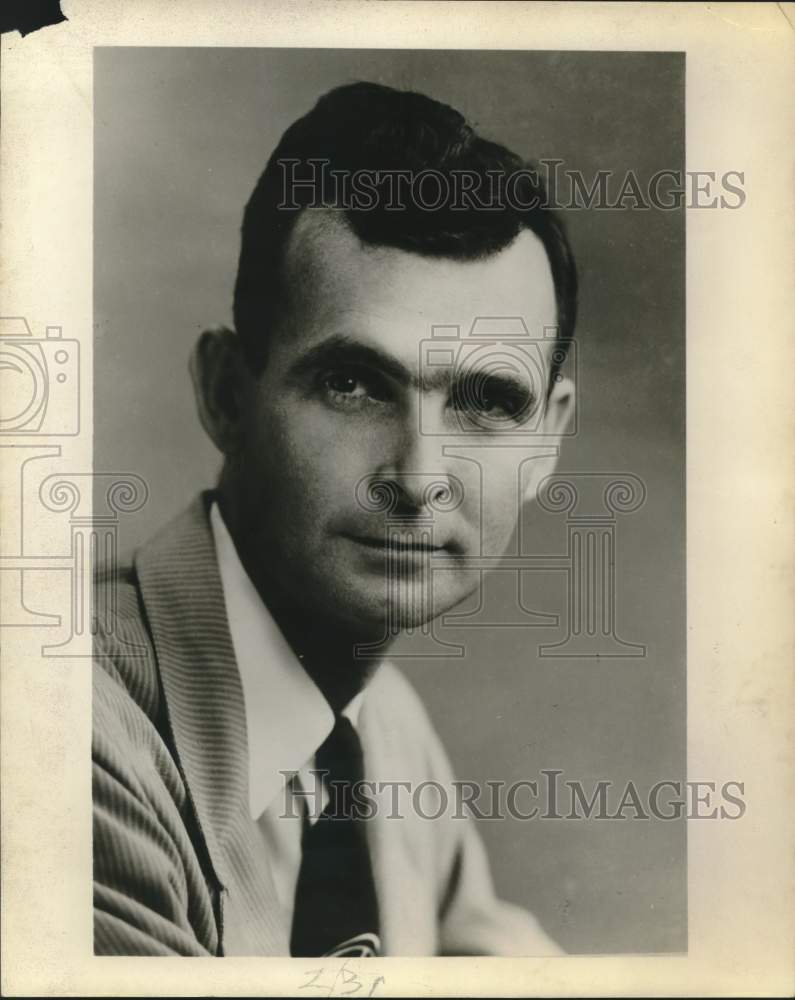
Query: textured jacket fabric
x=180 y=867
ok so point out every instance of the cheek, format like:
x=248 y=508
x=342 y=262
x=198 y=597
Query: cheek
x=496 y=503
x=310 y=462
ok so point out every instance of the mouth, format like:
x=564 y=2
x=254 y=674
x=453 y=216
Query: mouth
x=397 y=545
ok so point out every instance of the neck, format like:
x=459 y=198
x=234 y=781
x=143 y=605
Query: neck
x=324 y=647
x=325 y=650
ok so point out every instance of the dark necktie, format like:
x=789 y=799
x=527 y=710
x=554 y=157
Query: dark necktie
x=336 y=912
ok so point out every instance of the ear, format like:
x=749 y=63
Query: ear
x=558 y=415
x=221 y=383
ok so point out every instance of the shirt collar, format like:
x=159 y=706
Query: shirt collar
x=287 y=717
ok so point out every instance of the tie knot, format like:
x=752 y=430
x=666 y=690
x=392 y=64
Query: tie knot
x=341 y=753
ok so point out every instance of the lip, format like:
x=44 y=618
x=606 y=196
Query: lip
x=382 y=545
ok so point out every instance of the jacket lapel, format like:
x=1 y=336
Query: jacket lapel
x=184 y=602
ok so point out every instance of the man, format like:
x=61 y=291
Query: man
x=243 y=690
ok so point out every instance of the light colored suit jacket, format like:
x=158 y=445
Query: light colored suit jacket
x=179 y=865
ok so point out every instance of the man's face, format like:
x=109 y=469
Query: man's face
x=346 y=404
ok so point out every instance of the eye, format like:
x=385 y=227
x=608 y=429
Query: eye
x=493 y=399
x=345 y=384
x=351 y=388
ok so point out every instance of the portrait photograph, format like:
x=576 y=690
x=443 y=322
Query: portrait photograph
x=396 y=530
x=466 y=481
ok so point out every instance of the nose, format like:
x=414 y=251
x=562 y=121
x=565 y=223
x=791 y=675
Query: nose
x=417 y=469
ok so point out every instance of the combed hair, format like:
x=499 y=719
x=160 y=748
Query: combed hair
x=370 y=127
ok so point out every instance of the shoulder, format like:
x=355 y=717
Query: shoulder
x=127 y=709
x=129 y=731
x=123 y=653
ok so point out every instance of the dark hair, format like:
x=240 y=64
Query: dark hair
x=370 y=127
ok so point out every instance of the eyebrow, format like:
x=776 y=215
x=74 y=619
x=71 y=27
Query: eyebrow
x=340 y=349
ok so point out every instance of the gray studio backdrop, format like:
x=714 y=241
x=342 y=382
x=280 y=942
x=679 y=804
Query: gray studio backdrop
x=181 y=136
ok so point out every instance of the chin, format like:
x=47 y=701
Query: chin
x=369 y=609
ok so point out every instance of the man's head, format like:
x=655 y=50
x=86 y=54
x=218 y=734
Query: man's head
x=328 y=397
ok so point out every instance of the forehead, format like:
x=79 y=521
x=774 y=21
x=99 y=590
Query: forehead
x=392 y=297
